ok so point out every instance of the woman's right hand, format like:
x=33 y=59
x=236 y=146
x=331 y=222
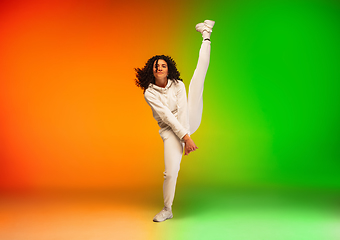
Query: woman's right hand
x=189 y=145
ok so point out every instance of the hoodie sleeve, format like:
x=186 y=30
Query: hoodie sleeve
x=182 y=106
x=165 y=114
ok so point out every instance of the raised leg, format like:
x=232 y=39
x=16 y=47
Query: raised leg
x=195 y=95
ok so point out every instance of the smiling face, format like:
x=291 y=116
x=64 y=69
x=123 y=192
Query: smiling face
x=161 y=71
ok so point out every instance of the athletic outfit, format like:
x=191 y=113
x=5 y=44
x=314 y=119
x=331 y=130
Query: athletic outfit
x=177 y=116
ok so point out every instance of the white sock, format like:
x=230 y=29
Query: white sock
x=205 y=35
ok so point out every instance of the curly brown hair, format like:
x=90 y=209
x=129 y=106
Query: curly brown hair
x=145 y=75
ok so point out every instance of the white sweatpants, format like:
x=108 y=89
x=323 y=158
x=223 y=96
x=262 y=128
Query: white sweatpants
x=173 y=148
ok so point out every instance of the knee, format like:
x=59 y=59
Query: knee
x=171 y=175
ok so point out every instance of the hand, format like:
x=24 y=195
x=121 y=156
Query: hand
x=189 y=145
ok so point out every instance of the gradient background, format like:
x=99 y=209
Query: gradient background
x=72 y=119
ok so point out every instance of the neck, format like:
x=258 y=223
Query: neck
x=161 y=82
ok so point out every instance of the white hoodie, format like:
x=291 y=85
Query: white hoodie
x=169 y=108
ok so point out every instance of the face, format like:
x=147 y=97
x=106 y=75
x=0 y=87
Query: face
x=162 y=70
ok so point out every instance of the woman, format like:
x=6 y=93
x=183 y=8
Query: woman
x=177 y=117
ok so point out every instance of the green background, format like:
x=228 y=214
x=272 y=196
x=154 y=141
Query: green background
x=271 y=100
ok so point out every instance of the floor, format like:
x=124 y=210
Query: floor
x=198 y=214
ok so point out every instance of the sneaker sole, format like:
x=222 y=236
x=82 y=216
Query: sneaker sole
x=164 y=219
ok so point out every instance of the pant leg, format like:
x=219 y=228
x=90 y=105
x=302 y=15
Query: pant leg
x=195 y=95
x=173 y=148
x=173 y=151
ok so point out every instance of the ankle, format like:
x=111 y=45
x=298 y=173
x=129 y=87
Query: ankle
x=206 y=35
x=167 y=208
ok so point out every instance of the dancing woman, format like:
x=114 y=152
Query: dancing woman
x=177 y=116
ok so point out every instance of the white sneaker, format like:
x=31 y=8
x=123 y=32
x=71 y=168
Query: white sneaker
x=207 y=25
x=163 y=215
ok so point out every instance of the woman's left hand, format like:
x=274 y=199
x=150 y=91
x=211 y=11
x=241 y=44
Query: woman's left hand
x=189 y=145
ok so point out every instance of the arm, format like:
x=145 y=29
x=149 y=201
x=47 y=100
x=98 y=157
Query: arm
x=183 y=118
x=182 y=106
x=165 y=114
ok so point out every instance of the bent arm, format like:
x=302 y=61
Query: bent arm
x=165 y=114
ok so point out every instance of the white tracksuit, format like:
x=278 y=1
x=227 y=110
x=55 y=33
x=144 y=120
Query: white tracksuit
x=177 y=117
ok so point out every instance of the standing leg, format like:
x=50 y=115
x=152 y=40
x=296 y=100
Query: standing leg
x=173 y=151
x=195 y=95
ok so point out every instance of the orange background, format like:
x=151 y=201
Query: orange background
x=71 y=116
